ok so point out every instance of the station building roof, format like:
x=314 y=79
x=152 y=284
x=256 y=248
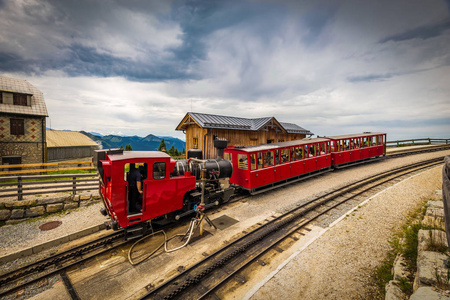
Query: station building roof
x=227 y=122
x=60 y=138
x=12 y=85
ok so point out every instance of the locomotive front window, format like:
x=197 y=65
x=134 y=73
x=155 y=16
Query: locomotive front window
x=159 y=170
x=243 y=161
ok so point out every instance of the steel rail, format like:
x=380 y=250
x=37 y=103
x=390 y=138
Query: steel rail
x=59 y=258
x=338 y=192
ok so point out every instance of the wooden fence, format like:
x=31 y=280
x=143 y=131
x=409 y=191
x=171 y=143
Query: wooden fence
x=44 y=168
x=20 y=186
x=414 y=142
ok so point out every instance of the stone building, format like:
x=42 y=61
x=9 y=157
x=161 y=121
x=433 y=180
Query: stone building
x=22 y=122
x=202 y=129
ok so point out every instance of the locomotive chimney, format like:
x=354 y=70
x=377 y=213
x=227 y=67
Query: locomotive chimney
x=220 y=144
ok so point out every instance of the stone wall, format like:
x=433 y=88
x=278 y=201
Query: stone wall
x=30 y=152
x=17 y=211
x=432 y=278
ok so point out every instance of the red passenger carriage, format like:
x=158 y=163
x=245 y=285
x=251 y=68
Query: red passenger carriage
x=262 y=167
x=354 y=148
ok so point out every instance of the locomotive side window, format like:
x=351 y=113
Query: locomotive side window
x=243 y=162
x=252 y=161
x=159 y=170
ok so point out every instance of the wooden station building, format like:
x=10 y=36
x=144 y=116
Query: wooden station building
x=202 y=129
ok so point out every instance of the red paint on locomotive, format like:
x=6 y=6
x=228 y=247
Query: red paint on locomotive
x=162 y=194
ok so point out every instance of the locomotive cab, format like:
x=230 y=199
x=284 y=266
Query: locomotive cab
x=136 y=186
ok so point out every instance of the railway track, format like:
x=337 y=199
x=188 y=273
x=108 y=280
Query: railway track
x=205 y=278
x=57 y=264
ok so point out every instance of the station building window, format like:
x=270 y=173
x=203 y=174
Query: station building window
x=195 y=143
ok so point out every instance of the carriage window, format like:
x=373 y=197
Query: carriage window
x=141 y=167
x=299 y=153
x=159 y=170
x=268 y=159
x=320 y=149
x=243 y=161
x=260 y=160
x=284 y=155
x=228 y=156
x=277 y=157
x=374 y=141
x=292 y=154
x=311 y=151
x=252 y=161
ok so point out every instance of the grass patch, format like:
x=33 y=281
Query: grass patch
x=405 y=243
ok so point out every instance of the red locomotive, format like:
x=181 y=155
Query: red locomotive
x=139 y=186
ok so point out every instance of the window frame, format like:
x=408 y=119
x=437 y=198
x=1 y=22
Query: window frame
x=14 y=127
x=157 y=172
x=20 y=99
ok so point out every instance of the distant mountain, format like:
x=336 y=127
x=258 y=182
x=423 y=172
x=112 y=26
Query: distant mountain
x=149 y=143
x=96 y=134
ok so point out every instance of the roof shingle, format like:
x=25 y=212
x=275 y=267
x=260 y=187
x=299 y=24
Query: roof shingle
x=12 y=85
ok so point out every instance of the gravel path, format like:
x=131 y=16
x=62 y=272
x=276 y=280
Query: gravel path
x=337 y=265
x=27 y=234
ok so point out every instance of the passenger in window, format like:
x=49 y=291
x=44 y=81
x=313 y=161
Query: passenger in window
x=135 y=189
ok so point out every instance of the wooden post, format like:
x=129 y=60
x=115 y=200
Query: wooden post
x=19 y=187
x=74 y=185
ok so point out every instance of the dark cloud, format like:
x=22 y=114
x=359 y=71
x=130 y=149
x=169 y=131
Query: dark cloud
x=369 y=78
x=422 y=32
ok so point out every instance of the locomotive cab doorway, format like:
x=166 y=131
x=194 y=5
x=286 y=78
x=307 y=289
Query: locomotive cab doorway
x=135 y=174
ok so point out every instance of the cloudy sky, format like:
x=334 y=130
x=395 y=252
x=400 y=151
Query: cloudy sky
x=137 y=67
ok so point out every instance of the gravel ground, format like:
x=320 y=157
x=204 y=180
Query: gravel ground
x=27 y=234
x=324 y=271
